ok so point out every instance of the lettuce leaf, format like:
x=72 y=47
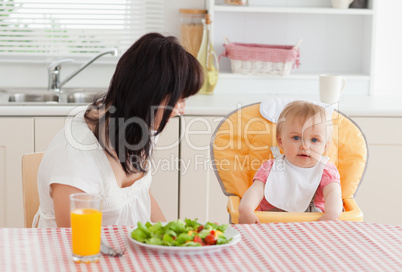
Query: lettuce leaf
x=141 y=233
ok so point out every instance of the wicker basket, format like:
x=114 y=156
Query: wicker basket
x=261 y=59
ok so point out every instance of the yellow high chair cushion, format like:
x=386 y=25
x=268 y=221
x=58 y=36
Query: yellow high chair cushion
x=242 y=143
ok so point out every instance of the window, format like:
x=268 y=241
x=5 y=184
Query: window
x=38 y=28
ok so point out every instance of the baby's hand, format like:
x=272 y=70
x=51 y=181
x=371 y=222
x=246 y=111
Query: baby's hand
x=248 y=218
x=328 y=217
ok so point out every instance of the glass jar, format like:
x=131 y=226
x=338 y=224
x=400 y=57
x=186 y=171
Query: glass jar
x=191 y=29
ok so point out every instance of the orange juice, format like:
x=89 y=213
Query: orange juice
x=86 y=231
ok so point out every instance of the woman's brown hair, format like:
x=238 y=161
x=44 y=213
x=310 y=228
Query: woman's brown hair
x=155 y=69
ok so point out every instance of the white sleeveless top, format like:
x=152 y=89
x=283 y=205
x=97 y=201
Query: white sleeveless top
x=75 y=158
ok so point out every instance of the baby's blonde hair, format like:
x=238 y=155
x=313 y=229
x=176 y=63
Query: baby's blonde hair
x=303 y=110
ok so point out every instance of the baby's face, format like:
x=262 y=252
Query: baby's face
x=303 y=144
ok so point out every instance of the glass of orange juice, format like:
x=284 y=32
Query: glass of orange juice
x=86 y=222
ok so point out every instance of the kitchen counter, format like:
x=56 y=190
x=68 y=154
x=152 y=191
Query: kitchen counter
x=222 y=104
x=370 y=106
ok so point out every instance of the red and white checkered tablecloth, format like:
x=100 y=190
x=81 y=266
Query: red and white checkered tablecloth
x=310 y=246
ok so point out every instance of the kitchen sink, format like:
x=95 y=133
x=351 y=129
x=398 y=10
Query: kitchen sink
x=82 y=97
x=33 y=97
x=43 y=96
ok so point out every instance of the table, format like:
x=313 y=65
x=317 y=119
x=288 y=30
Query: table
x=309 y=246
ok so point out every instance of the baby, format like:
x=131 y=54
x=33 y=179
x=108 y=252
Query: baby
x=301 y=179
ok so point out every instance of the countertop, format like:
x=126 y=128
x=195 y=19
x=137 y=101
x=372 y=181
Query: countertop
x=222 y=104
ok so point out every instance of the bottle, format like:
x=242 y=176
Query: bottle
x=191 y=29
x=208 y=60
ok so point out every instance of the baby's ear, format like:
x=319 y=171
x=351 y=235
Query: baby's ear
x=279 y=140
x=327 y=145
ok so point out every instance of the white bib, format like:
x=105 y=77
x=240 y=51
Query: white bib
x=291 y=188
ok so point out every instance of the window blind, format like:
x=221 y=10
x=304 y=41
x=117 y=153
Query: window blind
x=75 y=27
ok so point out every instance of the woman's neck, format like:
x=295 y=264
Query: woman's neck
x=98 y=126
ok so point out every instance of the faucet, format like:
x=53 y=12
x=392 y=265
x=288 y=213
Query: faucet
x=55 y=67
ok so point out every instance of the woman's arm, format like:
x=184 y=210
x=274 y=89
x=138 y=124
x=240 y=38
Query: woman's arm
x=333 y=202
x=156 y=212
x=61 y=202
x=251 y=198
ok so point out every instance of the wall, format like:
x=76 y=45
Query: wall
x=388 y=46
x=387 y=58
x=25 y=74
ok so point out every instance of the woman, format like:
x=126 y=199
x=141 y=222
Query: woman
x=107 y=149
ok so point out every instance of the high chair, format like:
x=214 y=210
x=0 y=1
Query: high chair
x=242 y=141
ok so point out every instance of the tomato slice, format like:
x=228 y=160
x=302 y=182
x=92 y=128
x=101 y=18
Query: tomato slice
x=198 y=239
x=210 y=239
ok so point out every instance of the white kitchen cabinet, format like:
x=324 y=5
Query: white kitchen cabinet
x=165 y=169
x=16 y=139
x=379 y=195
x=200 y=193
x=45 y=129
x=334 y=41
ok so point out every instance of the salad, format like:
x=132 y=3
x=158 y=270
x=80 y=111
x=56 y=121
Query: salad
x=181 y=233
